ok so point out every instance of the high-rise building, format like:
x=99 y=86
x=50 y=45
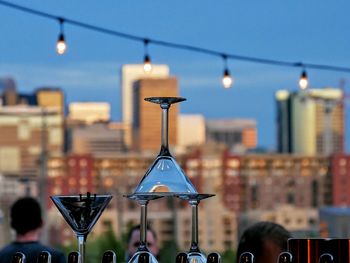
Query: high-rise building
x=147 y=116
x=191 y=130
x=311 y=121
x=8 y=91
x=129 y=75
x=235 y=133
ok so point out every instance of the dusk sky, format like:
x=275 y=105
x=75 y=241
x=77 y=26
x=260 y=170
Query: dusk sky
x=308 y=31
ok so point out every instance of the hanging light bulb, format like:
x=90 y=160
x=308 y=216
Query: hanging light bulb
x=227 y=80
x=61 y=46
x=147 y=66
x=303 y=81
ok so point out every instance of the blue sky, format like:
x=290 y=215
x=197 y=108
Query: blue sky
x=308 y=31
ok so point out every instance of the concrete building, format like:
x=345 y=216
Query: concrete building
x=340 y=169
x=129 y=75
x=272 y=180
x=191 y=130
x=89 y=112
x=99 y=139
x=71 y=174
x=147 y=116
x=310 y=122
x=299 y=221
x=27 y=132
x=237 y=134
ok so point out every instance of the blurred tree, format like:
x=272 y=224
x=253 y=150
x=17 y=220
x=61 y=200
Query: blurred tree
x=168 y=252
x=95 y=247
x=229 y=256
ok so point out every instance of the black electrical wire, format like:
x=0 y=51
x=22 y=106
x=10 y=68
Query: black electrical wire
x=174 y=45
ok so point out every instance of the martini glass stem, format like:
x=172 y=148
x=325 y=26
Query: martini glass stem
x=143 y=226
x=194 y=242
x=81 y=247
x=165 y=129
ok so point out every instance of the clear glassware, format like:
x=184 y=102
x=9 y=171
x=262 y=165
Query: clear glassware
x=142 y=249
x=195 y=255
x=81 y=212
x=165 y=177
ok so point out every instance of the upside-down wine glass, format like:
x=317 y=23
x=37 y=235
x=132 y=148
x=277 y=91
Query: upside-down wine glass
x=81 y=212
x=163 y=178
x=195 y=255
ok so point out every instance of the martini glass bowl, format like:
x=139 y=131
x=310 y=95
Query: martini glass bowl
x=81 y=212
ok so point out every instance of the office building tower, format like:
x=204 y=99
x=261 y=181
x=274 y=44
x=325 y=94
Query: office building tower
x=235 y=133
x=129 y=75
x=8 y=91
x=89 y=112
x=311 y=121
x=147 y=116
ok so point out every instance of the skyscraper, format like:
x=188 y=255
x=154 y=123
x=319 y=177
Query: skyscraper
x=147 y=116
x=311 y=121
x=129 y=75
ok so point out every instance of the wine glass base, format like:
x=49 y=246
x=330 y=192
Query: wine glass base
x=196 y=257
x=135 y=257
x=197 y=197
x=157 y=195
x=166 y=100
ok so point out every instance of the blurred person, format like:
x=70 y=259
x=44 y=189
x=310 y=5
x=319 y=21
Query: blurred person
x=265 y=240
x=134 y=242
x=26 y=220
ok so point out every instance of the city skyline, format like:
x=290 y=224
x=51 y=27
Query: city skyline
x=298 y=31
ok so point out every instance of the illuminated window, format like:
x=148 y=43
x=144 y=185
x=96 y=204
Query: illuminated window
x=71 y=162
x=83 y=163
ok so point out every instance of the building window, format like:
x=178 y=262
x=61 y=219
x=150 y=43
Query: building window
x=290 y=198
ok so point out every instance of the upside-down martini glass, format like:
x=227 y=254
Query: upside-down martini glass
x=163 y=178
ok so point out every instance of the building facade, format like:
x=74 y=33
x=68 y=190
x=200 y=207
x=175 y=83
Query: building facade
x=129 y=75
x=310 y=122
x=237 y=134
x=89 y=112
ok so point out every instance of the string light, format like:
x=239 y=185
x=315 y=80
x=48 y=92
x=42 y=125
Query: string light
x=61 y=46
x=303 y=81
x=227 y=80
x=147 y=66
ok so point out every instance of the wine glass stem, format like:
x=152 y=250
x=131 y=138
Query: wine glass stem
x=81 y=247
x=143 y=226
x=165 y=120
x=194 y=242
